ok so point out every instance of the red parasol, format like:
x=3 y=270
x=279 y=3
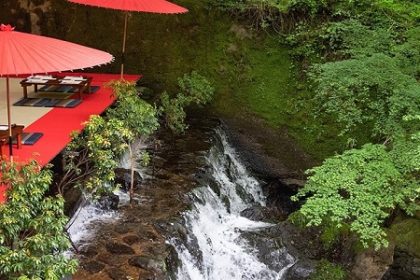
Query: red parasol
x=23 y=53
x=148 y=6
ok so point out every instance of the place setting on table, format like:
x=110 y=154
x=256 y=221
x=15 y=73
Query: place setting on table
x=55 y=91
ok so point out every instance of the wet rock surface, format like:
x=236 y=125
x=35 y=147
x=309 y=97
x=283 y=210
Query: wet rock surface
x=119 y=249
x=371 y=264
x=264 y=214
x=133 y=246
x=269 y=153
x=270 y=248
x=404 y=267
x=278 y=196
x=109 y=201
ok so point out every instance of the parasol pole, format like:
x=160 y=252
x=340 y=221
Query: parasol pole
x=123 y=46
x=9 y=119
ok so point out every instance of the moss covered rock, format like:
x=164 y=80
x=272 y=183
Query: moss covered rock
x=406 y=264
x=407 y=236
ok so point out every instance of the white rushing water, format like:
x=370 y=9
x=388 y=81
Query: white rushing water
x=215 y=249
x=89 y=216
x=82 y=227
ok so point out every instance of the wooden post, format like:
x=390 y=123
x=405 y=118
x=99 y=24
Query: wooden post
x=9 y=118
x=123 y=46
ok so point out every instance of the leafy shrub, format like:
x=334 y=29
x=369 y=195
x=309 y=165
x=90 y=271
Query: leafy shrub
x=370 y=91
x=194 y=89
x=326 y=270
x=174 y=113
x=359 y=187
x=32 y=237
x=92 y=155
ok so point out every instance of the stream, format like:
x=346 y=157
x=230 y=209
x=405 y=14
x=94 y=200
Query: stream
x=196 y=216
x=215 y=247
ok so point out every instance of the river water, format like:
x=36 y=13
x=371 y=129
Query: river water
x=216 y=241
x=215 y=247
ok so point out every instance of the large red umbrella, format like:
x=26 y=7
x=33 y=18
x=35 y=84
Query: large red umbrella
x=148 y=6
x=23 y=53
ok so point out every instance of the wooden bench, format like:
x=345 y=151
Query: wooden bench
x=17 y=131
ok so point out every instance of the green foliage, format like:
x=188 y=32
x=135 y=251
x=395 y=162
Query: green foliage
x=174 y=113
x=350 y=38
x=93 y=155
x=408 y=53
x=359 y=187
x=144 y=158
x=274 y=14
x=298 y=219
x=331 y=41
x=137 y=115
x=309 y=6
x=366 y=77
x=285 y=6
x=401 y=10
x=32 y=237
x=369 y=91
x=331 y=234
x=194 y=89
x=366 y=56
x=326 y=270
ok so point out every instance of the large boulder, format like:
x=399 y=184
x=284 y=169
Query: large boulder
x=371 y=264
x=405 y=267
x=93 y=266
x=406 y=264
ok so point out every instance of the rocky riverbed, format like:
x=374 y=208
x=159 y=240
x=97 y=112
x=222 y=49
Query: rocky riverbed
x=133 y=246
x=132 y=242
x=137 y=241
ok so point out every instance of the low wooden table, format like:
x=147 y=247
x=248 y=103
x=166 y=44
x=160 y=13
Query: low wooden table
x=82 y=86
x=17 y=131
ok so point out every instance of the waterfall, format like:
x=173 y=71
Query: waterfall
x=215 y=247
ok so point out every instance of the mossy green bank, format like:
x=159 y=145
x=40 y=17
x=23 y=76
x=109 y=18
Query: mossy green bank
x=251 y=71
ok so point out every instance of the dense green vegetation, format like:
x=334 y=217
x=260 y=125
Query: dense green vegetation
x=194 y=89
x=362 y=61
x=32 y=236
x=339 y=75
x=241 y=63
x=92 y=156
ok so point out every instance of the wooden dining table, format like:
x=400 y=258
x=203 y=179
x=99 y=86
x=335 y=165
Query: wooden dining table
x=80 y=85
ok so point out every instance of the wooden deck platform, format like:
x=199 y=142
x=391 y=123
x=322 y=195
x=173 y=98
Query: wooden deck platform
x=56 y=124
